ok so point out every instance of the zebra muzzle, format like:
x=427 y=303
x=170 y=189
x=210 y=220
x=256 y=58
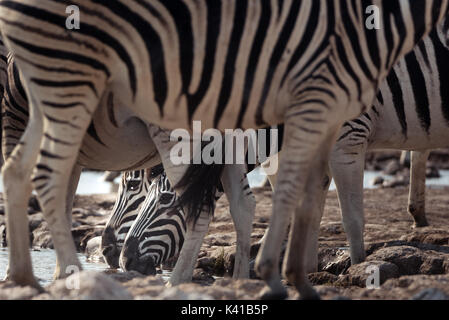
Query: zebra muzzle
x=131 y=260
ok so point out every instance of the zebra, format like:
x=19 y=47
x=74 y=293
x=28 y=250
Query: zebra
x=134 y=186
x=157 y=231
x=410 y=113
x=231 y=64
x=132 y=191
x=149 y=242
x=379 y=128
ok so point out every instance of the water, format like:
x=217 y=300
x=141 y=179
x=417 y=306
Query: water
x=44 y=261
x=257 y=179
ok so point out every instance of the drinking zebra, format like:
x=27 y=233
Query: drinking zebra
x=231 y=64
x=134 y=187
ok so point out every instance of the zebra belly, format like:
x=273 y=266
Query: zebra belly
x=117 y=146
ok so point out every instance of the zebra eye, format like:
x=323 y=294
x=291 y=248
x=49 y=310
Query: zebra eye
x=133 y=185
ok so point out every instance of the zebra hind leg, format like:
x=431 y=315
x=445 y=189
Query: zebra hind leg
x=242 y=206
x=17 y=189
x=417 y=192
x=302 y=147
x=347 y=165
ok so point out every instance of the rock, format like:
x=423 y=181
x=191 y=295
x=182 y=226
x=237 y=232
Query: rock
x=199 y=275
x=33 y=205
x=432 y=172
x=35 y=220
x=11 y=291
x=124 y=276
x=206 y=263
x=223 y=260
x=93 y=250
x=322 y=278
x=411 y=260
x=392 y=167
x=42 y=237
x=358 y=274
x=430 y=294
x=340 y=264
x=379 y=180
x=88 y=285
x=175 y=293
x=428 y=236
x=397 y=181
x=3 y=242
x=332 y=228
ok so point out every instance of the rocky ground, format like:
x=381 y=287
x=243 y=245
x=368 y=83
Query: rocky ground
x=413 y=263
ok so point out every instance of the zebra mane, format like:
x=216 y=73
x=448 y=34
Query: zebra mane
x=200 y=184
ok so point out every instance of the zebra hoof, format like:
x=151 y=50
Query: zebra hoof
x=269 y=294
x=420 y=224
x=311 y=295
x=24 y=282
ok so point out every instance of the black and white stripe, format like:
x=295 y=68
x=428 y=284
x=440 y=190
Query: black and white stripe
x=158 y=231
x=231 y=63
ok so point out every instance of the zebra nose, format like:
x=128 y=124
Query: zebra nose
x=131 y=260
x=109 y=248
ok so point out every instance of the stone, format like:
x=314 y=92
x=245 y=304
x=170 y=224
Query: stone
x=358 y=274
x=379 y=180
x=199 y=275
x=93 y=250
x=11 y=291
x=392 y=167
x=88 y=285
x=430 y=294
x=175 y=293
x=322 y=278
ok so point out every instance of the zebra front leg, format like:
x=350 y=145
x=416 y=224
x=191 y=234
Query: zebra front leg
x=65 y=124
x=417 y=192
x=242 y=206
x=73 y=184
x=17 y=190
x=187 y=259
x=347 y=167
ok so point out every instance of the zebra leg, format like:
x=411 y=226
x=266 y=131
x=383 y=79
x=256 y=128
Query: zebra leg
x=73 y=184
x=191 y=248
x=301 y=149
x=417 y=192
x=17 y=190
x=195 y=232
x=347 y=166
x=242 y=206
x=312 y=251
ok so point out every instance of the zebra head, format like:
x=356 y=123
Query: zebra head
x=131 y=194
x=158 y=232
